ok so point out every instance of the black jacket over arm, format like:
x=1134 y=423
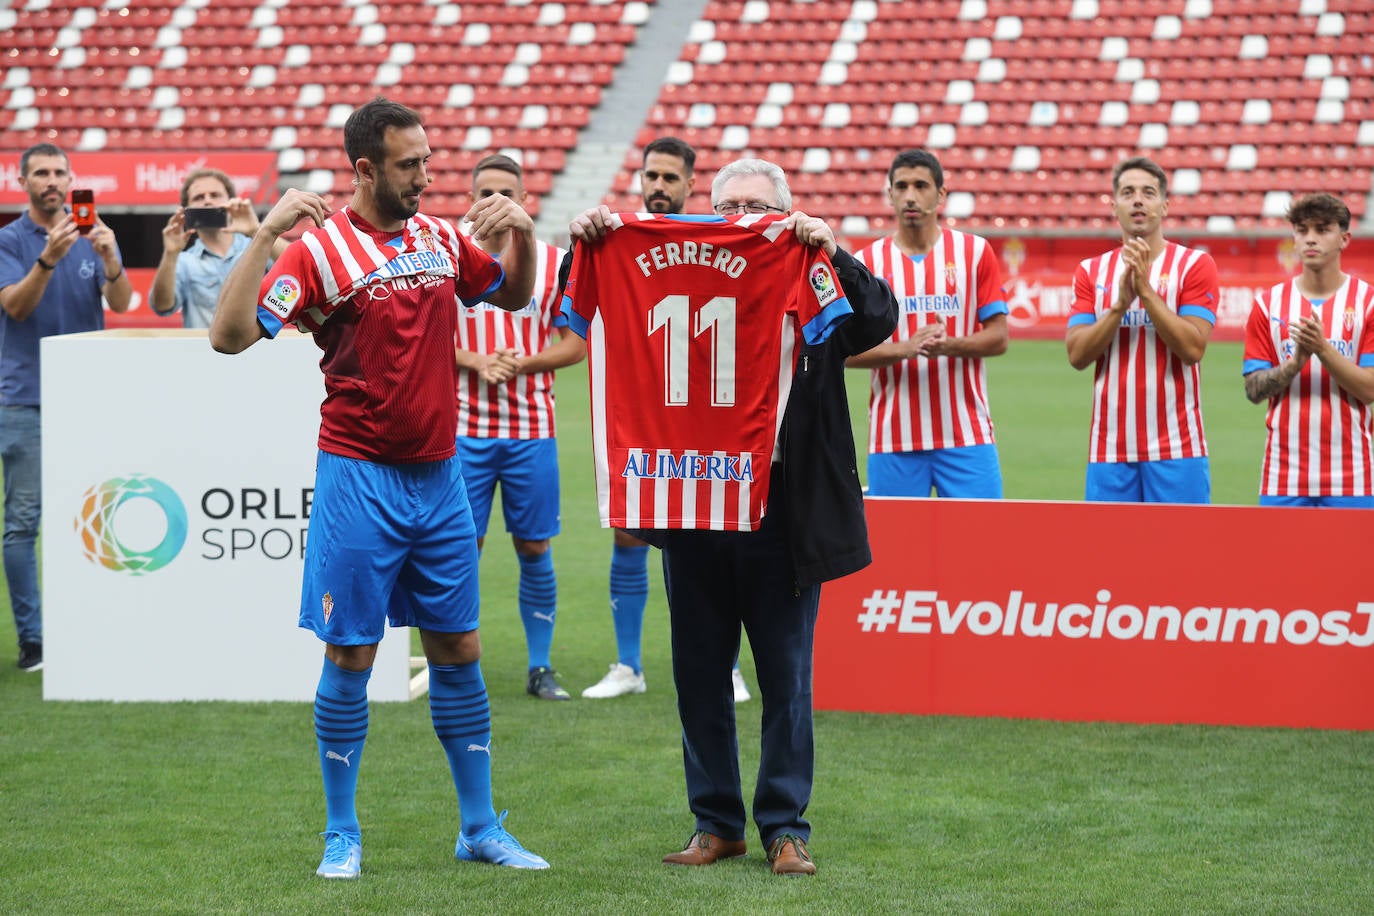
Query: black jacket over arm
x=828 y=534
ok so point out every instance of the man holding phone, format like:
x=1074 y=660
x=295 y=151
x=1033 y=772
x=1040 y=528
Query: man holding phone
x=52 y=278
x=189 y=277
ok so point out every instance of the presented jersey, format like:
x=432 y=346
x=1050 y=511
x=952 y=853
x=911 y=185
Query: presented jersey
x=1147 y=403
x=522 y=407
x=934 y=402
x=1319 y=436
x=692 y=326
x=381 y=306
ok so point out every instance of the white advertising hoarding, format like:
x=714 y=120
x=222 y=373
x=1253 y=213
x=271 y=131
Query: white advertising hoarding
x=177 y=485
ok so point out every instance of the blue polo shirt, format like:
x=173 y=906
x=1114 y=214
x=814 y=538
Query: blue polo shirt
x=70 y=304
x=200 y=275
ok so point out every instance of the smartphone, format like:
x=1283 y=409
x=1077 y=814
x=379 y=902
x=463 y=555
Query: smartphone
x=83 y=209
x=206 y=218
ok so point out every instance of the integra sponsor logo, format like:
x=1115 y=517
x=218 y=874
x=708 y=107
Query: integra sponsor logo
x=689 y=467
x=925 y=612
x=410 y=263
x=931 y=305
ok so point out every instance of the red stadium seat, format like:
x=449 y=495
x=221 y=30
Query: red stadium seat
x=902 y=58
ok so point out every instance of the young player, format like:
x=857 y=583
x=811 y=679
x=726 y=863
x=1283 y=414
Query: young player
x=1309 y=350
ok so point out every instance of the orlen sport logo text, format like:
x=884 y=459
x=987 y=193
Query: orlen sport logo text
x=246 y=523
x=133 y=524
x=923 y=612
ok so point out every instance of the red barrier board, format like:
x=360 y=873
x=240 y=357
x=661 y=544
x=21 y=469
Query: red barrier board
x=140 y=314
x=150 y=178
x=1222 y=615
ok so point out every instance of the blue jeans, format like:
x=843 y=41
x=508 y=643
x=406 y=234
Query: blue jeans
x=716 y=581
x=21 y=450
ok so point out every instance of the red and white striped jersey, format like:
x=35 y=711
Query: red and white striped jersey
x=692 y=326
x=1147 y=403
x=1319 y=441
x=382 y=307
x=934 y=402
x=522 y=407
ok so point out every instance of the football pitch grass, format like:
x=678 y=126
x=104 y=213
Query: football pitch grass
x=216 y=807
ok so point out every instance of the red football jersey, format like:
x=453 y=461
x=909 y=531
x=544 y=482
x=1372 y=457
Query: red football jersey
x=521 y=407
x=934 y=401
x=1319 y=439
x=692 y=326
x=382 y=307
x=1147 y=403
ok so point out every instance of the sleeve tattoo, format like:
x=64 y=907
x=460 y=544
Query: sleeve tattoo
x=1263 y=384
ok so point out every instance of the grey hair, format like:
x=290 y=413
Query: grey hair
x=771 y=171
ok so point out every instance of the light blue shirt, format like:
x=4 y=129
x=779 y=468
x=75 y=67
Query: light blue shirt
x=200 y=275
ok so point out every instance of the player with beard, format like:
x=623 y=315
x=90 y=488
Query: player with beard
x=391 y=533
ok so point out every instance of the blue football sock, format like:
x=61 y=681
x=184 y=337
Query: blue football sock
x=629 y=594
x=462 y=719
x=538 y=603
x=340 y=730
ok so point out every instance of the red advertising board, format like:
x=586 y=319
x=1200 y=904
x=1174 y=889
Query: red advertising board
x=140 y=314
x=150 y=178
x=1221 y=615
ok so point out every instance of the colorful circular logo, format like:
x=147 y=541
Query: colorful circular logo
x=96 y=525
x=821 y=279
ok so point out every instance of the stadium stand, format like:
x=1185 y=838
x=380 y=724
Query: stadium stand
x=1027 y=102
x=284 y=74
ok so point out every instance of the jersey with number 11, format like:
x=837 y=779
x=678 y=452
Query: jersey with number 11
x=693 y=325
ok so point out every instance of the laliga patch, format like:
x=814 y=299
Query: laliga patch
x=823 y=282
x=285 y=290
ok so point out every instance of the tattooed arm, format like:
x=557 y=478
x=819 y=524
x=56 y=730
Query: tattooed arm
x=1263 y=384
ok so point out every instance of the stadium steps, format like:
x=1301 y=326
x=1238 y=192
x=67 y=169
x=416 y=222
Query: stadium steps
x=602 y=145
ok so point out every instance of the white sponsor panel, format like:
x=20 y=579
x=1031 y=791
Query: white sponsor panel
x=177 y=485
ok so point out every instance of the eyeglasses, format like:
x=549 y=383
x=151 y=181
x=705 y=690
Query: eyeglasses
x=729 y=209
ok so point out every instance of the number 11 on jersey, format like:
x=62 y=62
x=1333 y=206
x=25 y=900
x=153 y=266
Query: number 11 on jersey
x=673 y=315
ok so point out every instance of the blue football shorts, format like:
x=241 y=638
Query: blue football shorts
x=1175 y=480
x=388 y=542
x=527 y=470
x=1332 y=502
x=966 y=472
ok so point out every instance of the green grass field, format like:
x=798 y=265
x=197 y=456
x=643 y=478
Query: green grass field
x=215 y=807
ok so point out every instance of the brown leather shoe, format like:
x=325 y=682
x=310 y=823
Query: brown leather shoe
x=788 y=856
x=705 y=849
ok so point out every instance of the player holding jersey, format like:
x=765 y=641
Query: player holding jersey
x=1142 y=314
x=391 y=534
x=1309 y=349
x=928 y=418
x=506 y=362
